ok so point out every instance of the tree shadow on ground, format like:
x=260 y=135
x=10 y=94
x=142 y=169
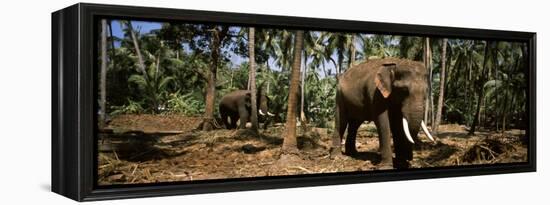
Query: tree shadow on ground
x=374 y=157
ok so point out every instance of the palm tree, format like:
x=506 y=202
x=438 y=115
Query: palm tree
x=283 y=49
x=141 y=63
x=507 y=92
x=377 y=46
x=310 y=42
x=481 y=81
x=320 y=52
x=252 y=77
x=266 y=42
x=103 y=73
x=441 y=86
x=289 y=143
x=428 y=64
x=338 y=42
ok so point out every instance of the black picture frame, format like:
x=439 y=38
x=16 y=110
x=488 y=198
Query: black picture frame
x=74 y=97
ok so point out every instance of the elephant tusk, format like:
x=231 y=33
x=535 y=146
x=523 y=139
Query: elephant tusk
x=261 y=113
x=270 y=114
x=406 y=129
x=425 y=129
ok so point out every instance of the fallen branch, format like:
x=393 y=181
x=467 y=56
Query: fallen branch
x=489 y=150
x=135 y=168
x=301 y=168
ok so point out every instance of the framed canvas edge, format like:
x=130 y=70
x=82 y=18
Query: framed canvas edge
x=72 y=100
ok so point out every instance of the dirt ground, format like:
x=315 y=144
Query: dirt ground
x=166 y=148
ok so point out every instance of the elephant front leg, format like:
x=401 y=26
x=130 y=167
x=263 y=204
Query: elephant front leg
x=266 y=123
x=243 y=117
x=403 y=152
x=403 y=148
x=382 y=123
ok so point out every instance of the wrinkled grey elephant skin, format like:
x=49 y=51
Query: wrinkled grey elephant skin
x=391 y=93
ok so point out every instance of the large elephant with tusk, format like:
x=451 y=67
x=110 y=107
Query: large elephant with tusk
x=236 y=106
x=390 y=92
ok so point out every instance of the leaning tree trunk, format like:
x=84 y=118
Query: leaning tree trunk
x=252 y=81
x=141 y=63
x=103 y=74
x=289 y=143
x=217 y=38
x=441 y=87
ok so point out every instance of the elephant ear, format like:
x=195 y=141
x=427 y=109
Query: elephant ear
x=384 y=79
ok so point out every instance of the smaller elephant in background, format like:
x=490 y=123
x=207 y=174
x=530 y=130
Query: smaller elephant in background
x=236 y=106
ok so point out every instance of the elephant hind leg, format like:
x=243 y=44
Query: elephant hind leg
x=340 y=125
x=225 y=119
x=353 y=126
x=233 y=123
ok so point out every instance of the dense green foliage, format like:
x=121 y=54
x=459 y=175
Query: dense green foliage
x=177 y=56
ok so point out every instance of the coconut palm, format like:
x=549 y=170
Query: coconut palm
x=289 y=143
x=339 y=43
x=441 y=85
x=252 y=79
x=103 y=73
x=137 y=49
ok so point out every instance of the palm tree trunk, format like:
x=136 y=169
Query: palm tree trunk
x=141 y=63
x=289 y=143
x=103 y=74
x=248 y=82
x=156 y=103
x=352 y=51
x=340 y=59
x=252 y=81
x=427 y=63
x=441 y=86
